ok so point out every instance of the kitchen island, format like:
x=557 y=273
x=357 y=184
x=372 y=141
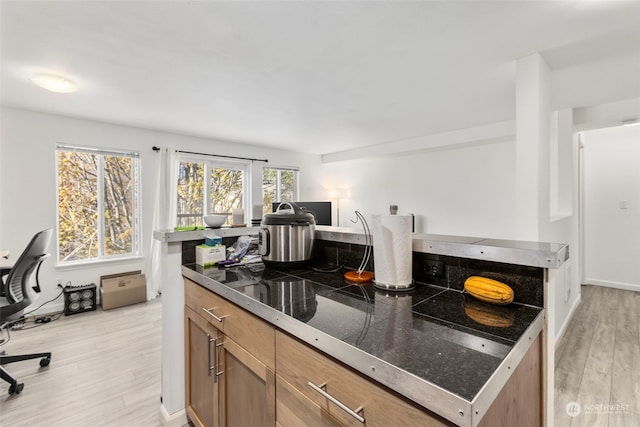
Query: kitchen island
x=423 y=345
x=530 y=266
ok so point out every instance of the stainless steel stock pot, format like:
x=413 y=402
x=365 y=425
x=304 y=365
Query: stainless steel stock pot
x=286 y=236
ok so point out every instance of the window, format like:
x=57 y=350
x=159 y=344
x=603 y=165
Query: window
x=209 y=187
x=278 y=185
x=98 y=203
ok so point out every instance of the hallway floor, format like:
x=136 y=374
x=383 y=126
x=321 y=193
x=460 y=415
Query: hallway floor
x=597 y=375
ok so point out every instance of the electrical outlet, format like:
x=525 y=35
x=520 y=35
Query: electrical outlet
x=435 y=269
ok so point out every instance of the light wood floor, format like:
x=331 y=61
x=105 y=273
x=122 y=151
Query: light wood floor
x=598 y=361
x=104 y=371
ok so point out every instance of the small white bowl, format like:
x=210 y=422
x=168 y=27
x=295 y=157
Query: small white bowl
x=215 y=220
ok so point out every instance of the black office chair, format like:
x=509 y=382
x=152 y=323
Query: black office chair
x=16 y=296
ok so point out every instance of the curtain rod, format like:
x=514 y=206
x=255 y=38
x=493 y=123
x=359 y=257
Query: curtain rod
x=216 y=155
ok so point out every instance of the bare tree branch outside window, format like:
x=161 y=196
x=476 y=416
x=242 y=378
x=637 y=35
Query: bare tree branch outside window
x=98 y=206
x=225 y=187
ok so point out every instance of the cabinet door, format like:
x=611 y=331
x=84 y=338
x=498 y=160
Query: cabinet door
x=202 y=385
x=249 y=388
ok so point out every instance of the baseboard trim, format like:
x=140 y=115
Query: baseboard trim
x=567 y=320
x=616 y=285
x=177 y=419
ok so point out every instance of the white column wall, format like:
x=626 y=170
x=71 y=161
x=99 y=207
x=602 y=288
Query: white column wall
x=532 y=141
x=533 y=197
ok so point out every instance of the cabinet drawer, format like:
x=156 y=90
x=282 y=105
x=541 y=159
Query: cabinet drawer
x=299 y=365
x=250 y=332
x=198 y=299
x=293 y=409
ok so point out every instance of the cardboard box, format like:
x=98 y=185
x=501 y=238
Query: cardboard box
x=118 y=290
x=208 y=256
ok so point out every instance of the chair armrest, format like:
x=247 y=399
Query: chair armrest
x=4 y=271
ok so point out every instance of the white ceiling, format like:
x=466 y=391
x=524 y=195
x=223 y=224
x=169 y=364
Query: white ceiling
x=313 y=76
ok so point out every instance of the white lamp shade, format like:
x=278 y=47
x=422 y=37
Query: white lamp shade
x=338 y=193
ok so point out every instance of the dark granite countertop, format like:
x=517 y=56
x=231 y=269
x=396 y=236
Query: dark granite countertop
x=424 y=335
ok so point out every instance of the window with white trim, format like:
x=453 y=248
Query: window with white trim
x=206 y=187
x=278 y=185
x=98 y=214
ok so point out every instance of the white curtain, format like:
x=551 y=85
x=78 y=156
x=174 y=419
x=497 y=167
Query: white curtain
x=164 y=216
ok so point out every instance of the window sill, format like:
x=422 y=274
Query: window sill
x=80 y=264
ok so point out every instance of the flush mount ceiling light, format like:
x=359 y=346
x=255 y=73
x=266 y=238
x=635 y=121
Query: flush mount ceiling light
x=54 y=83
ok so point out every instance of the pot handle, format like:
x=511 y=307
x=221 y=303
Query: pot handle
x=294 y=207
x=263 y=242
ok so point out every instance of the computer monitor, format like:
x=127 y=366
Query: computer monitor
x=322 y=210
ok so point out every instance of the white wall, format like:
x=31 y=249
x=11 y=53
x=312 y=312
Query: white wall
x=612 y=234
x=465 y=190
x=28 y=182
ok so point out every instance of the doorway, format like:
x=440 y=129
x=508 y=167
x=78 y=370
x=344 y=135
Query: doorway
x=610 y=207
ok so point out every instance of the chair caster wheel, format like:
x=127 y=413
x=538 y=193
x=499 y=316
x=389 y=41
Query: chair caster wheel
x=45 y=361
x=16 y=388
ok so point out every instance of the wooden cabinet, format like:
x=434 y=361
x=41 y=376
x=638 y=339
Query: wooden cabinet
x=201 y=381
x=229 y=362
x=314 y=389
x=241 y=371
x=305 y=378
x=520 y=400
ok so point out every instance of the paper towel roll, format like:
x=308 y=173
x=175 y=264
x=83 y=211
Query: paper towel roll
x=392 y=251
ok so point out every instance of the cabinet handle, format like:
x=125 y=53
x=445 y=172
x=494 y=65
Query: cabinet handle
x=217 y=374
x=209 y=367
x=355 y=414
x=210 y=313
x=215 y=361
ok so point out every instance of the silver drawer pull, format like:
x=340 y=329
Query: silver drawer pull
x=355 y=414
x=210 y=313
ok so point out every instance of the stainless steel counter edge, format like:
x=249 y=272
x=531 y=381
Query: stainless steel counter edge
x=492 y=388
x=430 y=396
x=531 y=254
